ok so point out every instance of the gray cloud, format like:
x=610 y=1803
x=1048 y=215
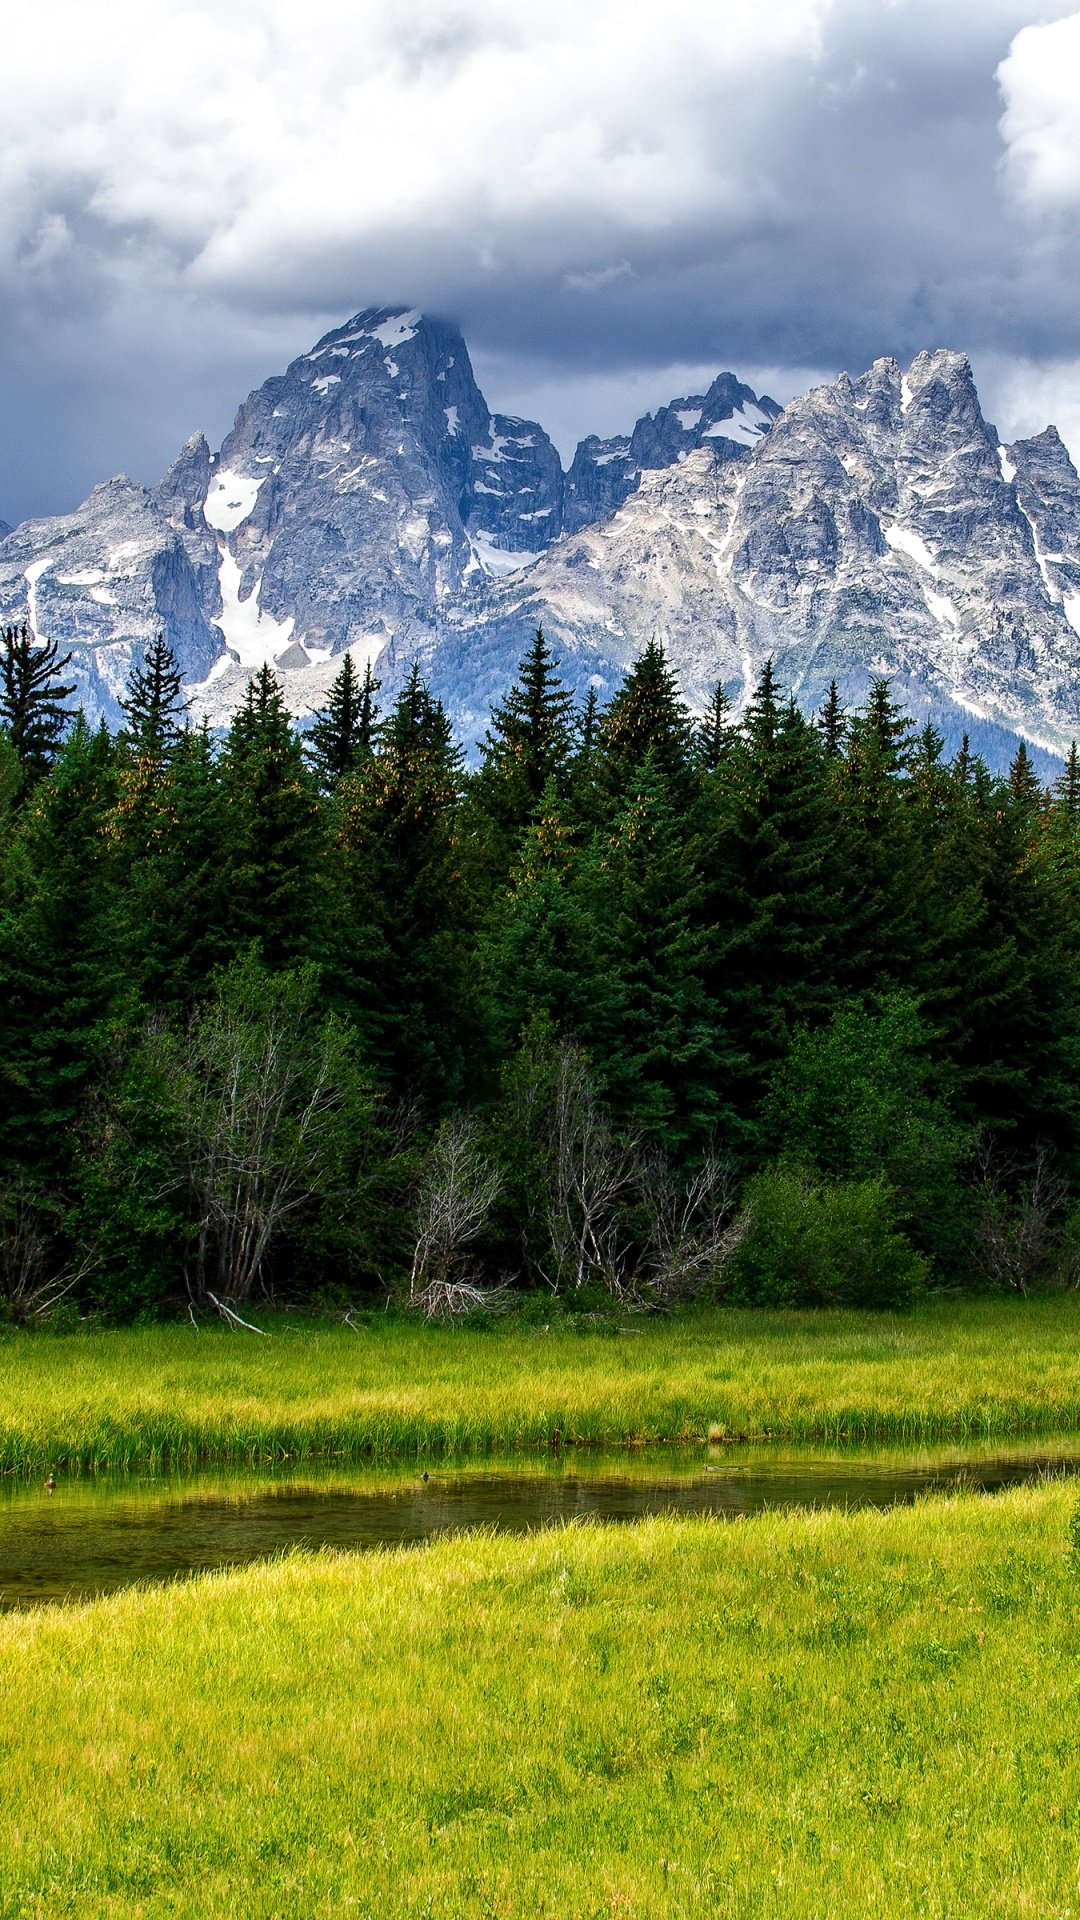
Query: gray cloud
x=614 y=201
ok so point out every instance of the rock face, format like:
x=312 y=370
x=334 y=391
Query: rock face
x=368 y=499
x=357 y=494
x=105 y=579
x=876 y=529
x=605 y=472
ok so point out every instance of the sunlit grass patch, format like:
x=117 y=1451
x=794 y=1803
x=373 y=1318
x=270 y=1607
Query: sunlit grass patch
x=800 y=1715
x=965 y=1368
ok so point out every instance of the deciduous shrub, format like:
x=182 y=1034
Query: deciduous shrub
x=815 y=1242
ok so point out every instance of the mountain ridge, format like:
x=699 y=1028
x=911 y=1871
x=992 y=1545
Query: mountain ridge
x=369 y=499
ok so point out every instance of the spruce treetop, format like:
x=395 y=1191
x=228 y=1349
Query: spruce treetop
x=32 y=709
x=714 y=733
x=1067 y=786
x=532 y=733
x=1024 y=784
x=647 y=714
x=832 y=720
x=154 y=707
x=343 y=732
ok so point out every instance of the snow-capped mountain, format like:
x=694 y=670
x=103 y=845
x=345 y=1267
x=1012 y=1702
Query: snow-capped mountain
x=356 y=495
x=878 y=528
x=368 y=499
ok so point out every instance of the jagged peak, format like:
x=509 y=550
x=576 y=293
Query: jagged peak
x=119 y=483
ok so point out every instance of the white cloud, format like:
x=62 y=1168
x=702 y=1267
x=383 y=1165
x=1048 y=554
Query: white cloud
x=233 y=143
x=1021 y=397
x=615 y=198
x=1040 y=82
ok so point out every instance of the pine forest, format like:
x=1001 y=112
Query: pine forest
x=644 y=1008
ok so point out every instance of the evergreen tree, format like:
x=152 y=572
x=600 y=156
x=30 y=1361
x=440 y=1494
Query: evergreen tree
x=773 y=887
x=154 y=707
x=587 y=804
x=403 y=917
x=271 y=831
x=1067 y=786
x=661 y=1050
x=541 y=949
x=530 y=741
x=61 y=974
x=1024 y=783
x=833 y=722
x=32 y=709
x=1011 y=1024
x=646 y=715
x=589 y=725
x=879 y=856
x=714 y=733
x=173 y=854
x=343 y=733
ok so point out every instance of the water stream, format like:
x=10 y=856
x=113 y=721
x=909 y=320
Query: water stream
x=93 y=1534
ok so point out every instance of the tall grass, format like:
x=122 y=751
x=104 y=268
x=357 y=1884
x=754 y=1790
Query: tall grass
x=966 y=1369
x=791 y=1718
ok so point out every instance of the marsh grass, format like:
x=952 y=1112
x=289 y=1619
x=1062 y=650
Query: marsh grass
x=967 y=1369
x=799 y=1716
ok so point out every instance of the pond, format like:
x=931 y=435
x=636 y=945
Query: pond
x=93 y=1534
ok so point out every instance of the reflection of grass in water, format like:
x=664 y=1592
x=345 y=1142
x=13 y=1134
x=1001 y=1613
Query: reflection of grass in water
x=965 y=1368
x=643 y=1466
x=797 y=1716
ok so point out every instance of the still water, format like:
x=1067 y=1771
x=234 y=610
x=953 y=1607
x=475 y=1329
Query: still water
x=94 y=1534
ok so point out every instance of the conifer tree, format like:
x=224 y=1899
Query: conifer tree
x=881 y=731
x=32 y=710
x=529 y=742
x=271 y=830
x=1024 y=784
x=153 y=707
x=879 y=856
x=174 y=860
x=714 y=733
x=833 y=722
x=773 y=887
x=1067 y=786
x=403 y=918
x=588 y=725
x=344 y=731
x=61 y=972
x=930 y=777
x=588 y=806
x=646 y=715
x=541 y=951
x=662 y=1050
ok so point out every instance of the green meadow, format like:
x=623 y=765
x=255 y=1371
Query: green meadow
x=795 y=1716
x=976 y=1368
x=801 y=1715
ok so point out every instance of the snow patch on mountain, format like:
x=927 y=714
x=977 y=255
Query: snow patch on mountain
x=231 y=500
x=255 y=637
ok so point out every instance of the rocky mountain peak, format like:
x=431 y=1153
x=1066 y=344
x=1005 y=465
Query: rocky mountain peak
x=368 y=499
x=181 y=491
x=874 y=529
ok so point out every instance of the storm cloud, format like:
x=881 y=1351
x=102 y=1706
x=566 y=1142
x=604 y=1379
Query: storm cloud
x=615 y=200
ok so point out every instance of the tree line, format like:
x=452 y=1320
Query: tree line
x=648 y=1006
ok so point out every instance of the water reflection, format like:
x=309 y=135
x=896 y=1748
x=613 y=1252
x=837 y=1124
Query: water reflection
x=92 y=1535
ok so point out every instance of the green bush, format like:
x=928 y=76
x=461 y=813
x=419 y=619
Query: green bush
x=819 y=1243
x=858 y=1100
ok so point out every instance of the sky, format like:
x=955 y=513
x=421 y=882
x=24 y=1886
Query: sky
x=615 y=199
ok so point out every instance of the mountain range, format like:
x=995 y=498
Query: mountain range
x=368 y=499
